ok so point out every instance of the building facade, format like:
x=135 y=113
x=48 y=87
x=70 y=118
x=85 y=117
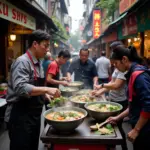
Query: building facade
x=18 y=20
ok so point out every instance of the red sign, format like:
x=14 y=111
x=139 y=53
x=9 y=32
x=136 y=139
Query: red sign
x=14 y=14
x=96 y=24
x=125 y=5
x=129 y=25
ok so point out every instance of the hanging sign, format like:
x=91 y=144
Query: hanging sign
x=96 y=24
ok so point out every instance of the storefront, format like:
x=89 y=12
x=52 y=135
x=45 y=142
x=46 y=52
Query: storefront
x=143 y=20
x=108 y=39
x=15 y=26
x=128 y=32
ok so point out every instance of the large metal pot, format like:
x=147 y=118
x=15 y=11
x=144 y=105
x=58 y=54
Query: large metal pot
x=65 y=126
x=84 y=91
x=80 y=104
x=102 y=115
x=76 y=84
x=69 y=91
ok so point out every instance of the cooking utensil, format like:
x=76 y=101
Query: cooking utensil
x=65 y=126
x=76 y=84
x=102 y=115
x=77 y=103
x=84 y=92
x=69 y=91
x=97 y=126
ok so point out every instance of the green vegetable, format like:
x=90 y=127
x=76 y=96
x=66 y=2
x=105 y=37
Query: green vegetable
x=97 y=132
x=102 y=105
x=58 y=100
x=2 y=89
x=109 y=126
x=112 y=108
x=72 y=114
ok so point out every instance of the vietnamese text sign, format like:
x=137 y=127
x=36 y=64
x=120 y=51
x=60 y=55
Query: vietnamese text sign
x=96 y=24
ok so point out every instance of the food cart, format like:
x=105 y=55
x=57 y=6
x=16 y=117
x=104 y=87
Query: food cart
x=82 y=138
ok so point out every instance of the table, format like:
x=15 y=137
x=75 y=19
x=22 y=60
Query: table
x=81 y=139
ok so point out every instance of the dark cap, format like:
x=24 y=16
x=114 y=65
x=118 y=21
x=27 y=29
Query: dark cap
x=115 y=44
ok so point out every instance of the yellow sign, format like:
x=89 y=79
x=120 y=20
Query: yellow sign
x=14 y=14
x=96 y=24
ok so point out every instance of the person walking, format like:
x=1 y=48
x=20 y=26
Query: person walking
x=25 y=94
x=103 y=67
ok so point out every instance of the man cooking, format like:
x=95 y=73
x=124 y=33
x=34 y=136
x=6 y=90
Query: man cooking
x=53 y=72
x=84 y=70
x=25 y=94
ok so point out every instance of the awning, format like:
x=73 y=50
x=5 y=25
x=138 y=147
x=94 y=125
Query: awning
x=112 y=24
x=118 y=19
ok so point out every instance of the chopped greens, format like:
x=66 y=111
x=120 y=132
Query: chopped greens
x=104 y=107
x=57 y=101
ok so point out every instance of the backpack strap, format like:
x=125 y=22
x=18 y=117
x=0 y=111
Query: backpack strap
x=131 y=84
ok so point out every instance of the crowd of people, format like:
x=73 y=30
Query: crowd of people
x=30 y=87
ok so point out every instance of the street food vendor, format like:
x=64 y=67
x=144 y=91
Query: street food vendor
x=53 y=73
x=25 y=94
x=84 y=70
x=138 y=79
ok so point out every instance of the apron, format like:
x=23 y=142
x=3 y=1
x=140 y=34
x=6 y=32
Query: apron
x=25 y=119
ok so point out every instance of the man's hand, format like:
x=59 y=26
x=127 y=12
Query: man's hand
x=64 y=78
x=64 y=83
x=48 y=97
x=113 y=120
x=132 y=135
x=53 y=92
x=68 y=79
x=97 y=87
x=97 y=93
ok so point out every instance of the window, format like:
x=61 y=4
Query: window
x=43 y=4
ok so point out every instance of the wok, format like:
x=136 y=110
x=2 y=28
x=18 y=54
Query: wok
x=65 y=126
x=102 y=115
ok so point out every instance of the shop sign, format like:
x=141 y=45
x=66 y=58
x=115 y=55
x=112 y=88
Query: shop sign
x=96 y=24
x=125 y=5
x=13 y=14
x=129 y=25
